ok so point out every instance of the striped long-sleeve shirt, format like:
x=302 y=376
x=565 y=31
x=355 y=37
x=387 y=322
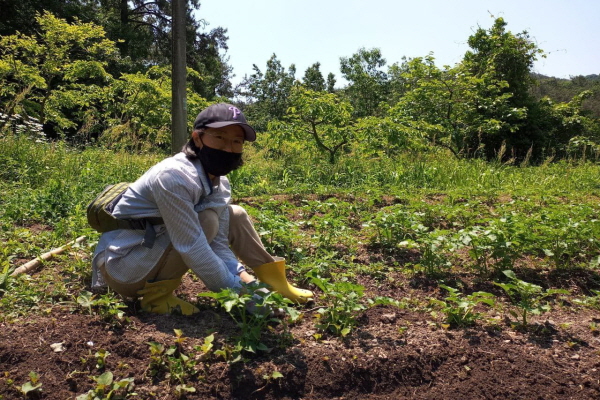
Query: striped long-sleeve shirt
x=175 y=189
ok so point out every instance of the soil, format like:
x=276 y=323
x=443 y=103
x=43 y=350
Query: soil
x=393 y=353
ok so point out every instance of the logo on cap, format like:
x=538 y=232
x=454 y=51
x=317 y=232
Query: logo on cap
x=236 y=111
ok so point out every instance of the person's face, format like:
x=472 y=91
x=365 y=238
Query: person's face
x=228 y=138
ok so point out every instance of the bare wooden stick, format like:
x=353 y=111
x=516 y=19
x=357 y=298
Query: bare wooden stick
x=31 y=265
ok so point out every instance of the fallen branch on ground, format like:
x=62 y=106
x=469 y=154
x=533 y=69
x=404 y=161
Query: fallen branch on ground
x=31 y=265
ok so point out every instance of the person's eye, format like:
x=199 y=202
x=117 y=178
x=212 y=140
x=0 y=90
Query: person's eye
x=238 y=142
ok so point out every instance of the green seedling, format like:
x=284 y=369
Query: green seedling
x=486 y=247
x=527 y=297
x=344 y=303
x=394 y=226
x=251 y=311
x=108 y=388
x=230 y=354
x=172 y=361
x=460 y=309
x=268 y=379
x=568 y=238
x=590 y=301
x=274 y=375
x=402 y=330
x=433 y=260
x=33 y=386
x=157 y=361
x=181 y=366
x=182 y=390
x=107 y=306
x=206 y=348
x=277 y=232
x=101 y=356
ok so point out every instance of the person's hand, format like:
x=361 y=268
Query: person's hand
x=246 y=277
x=256 y=305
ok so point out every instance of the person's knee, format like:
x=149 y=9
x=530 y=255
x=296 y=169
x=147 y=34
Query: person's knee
x=209 y=220
x=237 y=214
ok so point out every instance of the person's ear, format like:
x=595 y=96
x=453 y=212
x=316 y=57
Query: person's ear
x=196 y=137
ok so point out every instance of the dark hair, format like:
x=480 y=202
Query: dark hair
x=190 y=150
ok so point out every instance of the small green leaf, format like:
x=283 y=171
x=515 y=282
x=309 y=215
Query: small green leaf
x=29 y=387
x=510 y=274
x=262 y=347
x=276 y=375
x=105 y=379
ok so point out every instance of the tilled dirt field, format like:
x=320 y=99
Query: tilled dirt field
x=392 y=354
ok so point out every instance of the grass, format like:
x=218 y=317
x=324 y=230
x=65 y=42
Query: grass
x=432 y=211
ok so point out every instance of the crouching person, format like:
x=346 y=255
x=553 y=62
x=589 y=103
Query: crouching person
x=199 y=230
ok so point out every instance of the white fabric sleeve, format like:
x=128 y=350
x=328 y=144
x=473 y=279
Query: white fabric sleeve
x=173 y=191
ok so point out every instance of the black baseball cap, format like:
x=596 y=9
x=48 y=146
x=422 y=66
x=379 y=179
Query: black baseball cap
x=223 y=114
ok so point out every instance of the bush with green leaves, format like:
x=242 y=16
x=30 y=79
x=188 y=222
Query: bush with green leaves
x=460 y=309
x=568 y=237
x=395 y=224
x=496 y=245
x=527 y=297
x=433 y=262
x=592 y=301
x=109 y=307
x=55 y=75
x=253 y=309
x=343 y=302
x=137 y=113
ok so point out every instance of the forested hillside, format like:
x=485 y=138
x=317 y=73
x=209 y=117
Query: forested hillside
x=563 y=90
x=99 y=72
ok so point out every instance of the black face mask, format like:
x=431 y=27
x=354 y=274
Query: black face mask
x=219 y=162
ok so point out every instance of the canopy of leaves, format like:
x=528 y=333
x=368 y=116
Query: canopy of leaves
x=268 y=94
x=367 y=82
x=142 y=33
x=54 y=72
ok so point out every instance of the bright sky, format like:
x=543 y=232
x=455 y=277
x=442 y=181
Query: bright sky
x=302 y=32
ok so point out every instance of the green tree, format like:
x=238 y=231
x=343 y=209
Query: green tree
x=503 y=62
x=208 y=56
x=313 y=78
x=20 y=15
x=331 y=82
x=442 y=105
x=563 y=123
x=137 y=112
x=268 y=94
x=323 y=116
x=367 y=85
x=142 y=32
x=563 y=90
x=49 y=76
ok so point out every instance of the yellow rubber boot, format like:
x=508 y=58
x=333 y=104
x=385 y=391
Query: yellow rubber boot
x=273 y=274
x=157 y=297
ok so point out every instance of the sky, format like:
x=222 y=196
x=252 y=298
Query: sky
x=303 y=32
